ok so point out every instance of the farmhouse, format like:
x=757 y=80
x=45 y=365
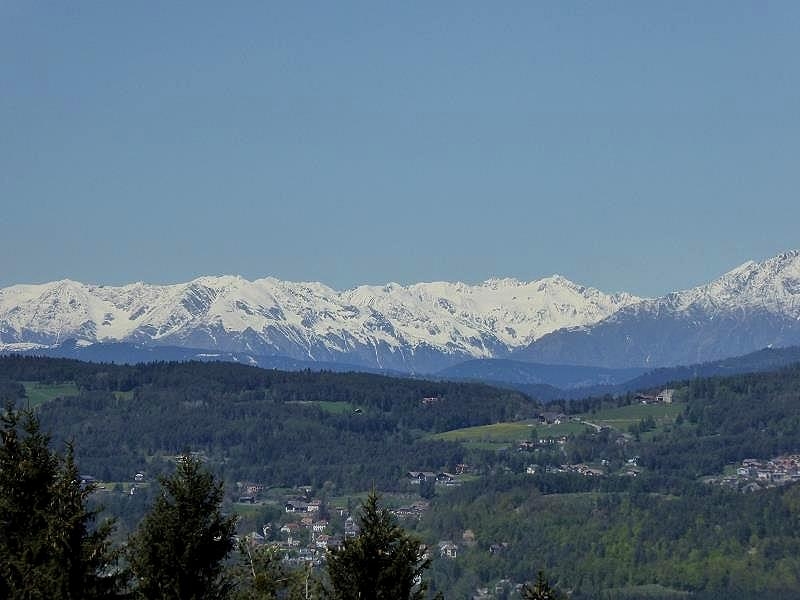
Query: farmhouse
x=552 y=418
x=448 y=550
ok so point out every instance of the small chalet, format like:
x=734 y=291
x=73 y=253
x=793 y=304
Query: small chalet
x=448 y=550
x=292 y=506
x=350 y=528
x=335 y=542
x=319 y=526
x=253 y=488
x=552 y=418
x=290 y=528
x=665 y=396
x=255 y=539
x=405 y=512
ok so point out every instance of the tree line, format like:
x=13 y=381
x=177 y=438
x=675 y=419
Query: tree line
x=265 y=425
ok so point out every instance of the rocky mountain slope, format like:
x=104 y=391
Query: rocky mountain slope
x=422 y=327
x=751 y=307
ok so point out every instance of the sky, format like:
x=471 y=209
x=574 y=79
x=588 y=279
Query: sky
x=637 y=146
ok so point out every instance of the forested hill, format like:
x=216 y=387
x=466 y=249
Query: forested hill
x=683 y=522
x=288 y=428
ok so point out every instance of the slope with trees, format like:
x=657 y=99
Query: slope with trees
x=49 y=544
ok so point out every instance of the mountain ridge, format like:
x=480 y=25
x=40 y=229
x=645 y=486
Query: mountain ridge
x=750 y=307
x=422 y=327
x=416 y=327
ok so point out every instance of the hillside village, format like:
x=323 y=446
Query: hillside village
x=753 y=475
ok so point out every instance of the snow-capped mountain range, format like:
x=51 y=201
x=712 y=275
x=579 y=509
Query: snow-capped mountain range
x=421 y=327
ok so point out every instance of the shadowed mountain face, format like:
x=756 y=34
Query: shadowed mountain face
x=635 y=340
x=751 y=307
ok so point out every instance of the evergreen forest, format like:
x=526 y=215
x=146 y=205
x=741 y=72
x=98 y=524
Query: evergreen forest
x=655 y=503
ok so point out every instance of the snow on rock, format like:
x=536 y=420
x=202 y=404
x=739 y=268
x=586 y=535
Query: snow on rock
x=305 y=319
x=423 y=326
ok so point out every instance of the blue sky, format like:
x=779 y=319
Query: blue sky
x=635 y=146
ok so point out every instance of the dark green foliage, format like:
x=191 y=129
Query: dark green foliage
x=727 y=420
x=179 y=549
x=427 y=489
x=264 y=424
x=47 y=546
x=591 y=539
x=541 y=590
x=660 y=534
x=382 y=563
x=261 y=575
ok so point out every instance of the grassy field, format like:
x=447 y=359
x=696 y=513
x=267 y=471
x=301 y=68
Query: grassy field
x=652 y=591
x=500 y=435
x=38 y=393
x=336 y=408
x=505 y=433
x=621 y=418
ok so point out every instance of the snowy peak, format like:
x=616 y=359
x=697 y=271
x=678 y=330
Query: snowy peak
x=513 y=312
x=748 y=308
x=420 y=327
x=308 y=320
x=772 y=286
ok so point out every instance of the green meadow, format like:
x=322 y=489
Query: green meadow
x=39 y=393
x=500 y=435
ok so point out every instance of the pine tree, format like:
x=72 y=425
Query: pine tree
x=541 y=590
x=382 y=563
x=262 y=575
x=179 y=549
x=48 y=548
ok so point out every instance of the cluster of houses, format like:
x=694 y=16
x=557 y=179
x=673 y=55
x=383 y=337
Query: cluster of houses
x=415 y=511
x=544 y=442
x=306 y=534
x=502 y=589
x=581 y=469
x=300 y=506
x=754 y=474
x=440 y=478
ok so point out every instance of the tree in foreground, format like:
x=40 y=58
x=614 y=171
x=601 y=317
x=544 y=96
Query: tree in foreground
x=48 y=547
x=262 y=575
x=382 y=563
x=180 y=546
x=541 y=590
